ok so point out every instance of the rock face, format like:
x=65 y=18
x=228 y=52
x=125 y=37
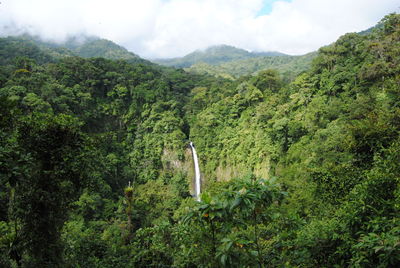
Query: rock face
x=224 y=173
x=182 y=162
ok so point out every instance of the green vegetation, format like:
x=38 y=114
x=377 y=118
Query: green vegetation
x=288 y=66
x=95 y=169
x=214 y=55
x=231 y=63
x=329 y=138
x=104 y=48
x=82 y=46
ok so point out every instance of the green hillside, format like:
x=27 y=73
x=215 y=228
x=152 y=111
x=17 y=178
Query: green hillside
x=82 y=46
x=231 y=63
x=103 y=48
x=330 y=139
x=288 y=66
x=214 y=55
x=12 y=47
x=96 y=171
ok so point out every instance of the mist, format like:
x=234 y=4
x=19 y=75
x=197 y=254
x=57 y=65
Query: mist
x=170 y=28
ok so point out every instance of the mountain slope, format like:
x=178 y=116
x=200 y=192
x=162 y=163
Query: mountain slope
x=13 y=47
x=214 y=55
x=299 y=174
x=330 y=138
x=82 y=46
x=105 y=49
x=288 y=66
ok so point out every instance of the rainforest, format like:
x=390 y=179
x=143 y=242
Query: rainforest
x=300 y=164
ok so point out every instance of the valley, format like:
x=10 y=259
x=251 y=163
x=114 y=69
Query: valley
x=102 y=155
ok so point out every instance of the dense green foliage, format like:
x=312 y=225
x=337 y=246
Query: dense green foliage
x=95 y=170
x=330 y=137
x=231 y=63
x=103 y=48
x=214 y=55
x=288 y=66
x=84 y=126
x=80 y=45
x=14 y=47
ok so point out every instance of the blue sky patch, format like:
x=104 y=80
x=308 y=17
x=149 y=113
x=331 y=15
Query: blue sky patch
x=267 y=7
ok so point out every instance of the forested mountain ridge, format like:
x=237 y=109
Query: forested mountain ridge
x=329 y=138
x=288 y=66
x=13 y=47
x=214 y=55
x=82 y=46
x=230 y=62
x=96 y=47
x=95 y=169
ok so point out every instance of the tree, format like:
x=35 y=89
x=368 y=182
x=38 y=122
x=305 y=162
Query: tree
x=50 y=175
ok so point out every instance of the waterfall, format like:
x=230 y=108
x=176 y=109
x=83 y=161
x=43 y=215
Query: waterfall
x=196 y=171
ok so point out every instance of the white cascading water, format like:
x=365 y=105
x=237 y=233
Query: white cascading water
x=197 y=172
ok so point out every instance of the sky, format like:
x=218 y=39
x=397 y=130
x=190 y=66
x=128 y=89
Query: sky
x=172 y=28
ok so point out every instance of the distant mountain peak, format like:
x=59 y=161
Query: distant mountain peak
x=86 y=46
x=214 y=55
x=103 y=48
x=222 y=47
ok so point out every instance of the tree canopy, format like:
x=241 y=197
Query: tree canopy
x=95 y=168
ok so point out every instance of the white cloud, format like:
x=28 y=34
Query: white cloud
x=167 y=28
